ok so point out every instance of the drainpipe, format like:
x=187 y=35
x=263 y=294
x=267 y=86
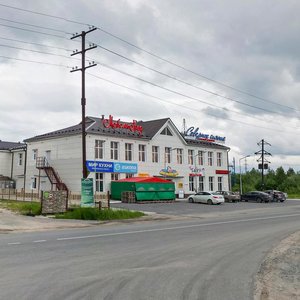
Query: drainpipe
x=12 y=165
x=228 y=177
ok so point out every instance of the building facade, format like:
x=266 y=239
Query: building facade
x=117 y=150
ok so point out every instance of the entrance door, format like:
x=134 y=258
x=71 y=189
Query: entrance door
x=48 y=156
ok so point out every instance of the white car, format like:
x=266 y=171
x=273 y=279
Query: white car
x=207 y=197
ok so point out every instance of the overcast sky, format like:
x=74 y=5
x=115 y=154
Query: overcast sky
x=230 y=68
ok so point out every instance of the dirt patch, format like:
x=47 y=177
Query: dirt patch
x=279 y=275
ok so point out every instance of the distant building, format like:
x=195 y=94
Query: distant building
x=117 y=149
x=12 y=164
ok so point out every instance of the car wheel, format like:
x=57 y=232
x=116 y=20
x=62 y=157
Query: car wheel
x=258 y=200
x=209 y=202
x=191 y=200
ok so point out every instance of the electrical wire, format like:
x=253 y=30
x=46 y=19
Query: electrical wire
x=151 y=54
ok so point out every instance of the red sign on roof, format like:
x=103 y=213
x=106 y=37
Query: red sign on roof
x=111 y=123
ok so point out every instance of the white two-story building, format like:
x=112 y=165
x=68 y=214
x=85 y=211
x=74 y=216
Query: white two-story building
x=117 y=149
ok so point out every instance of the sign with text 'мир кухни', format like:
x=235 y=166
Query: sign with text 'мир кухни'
x=111 y=167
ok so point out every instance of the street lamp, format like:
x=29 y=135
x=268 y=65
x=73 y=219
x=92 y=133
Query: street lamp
x=241 y=187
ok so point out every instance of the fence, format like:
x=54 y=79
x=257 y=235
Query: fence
x=73 y=198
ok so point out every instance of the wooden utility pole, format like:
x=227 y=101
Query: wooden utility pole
x=83 y=99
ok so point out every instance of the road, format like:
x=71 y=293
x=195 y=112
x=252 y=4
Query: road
x=213 y=257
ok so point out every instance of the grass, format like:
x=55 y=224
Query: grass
x=22 y=207
x=90 y=213
x=293 y=196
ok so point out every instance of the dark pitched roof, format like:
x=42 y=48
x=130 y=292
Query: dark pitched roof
x=11 y=145
x=206 y=144
x=95 y=125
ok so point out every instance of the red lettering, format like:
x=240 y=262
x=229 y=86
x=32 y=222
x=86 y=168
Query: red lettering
x=110 y=123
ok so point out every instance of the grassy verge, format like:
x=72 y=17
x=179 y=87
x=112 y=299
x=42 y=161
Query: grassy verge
x=293 y=196
x=22 y=207
x=90 y=213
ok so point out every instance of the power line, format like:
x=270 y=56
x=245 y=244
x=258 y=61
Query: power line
x=36 y=44
x=36 y=62
x=37 y=26
x=166 y=89
x=152 y=54
x=186 y=83
x=184 y=106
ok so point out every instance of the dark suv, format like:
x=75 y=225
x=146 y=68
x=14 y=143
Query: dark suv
x=256 y=196
x=276 y=195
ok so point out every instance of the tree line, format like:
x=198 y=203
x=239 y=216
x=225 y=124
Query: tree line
x=288 y=182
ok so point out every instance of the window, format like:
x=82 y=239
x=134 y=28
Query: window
x=33 y=183
x=155 y=154
x=210 y=158
x=200 y=158
x=166 y=131
x=128 y=151
x=191 y=157
x=142 y=152
x=20 y=159
x=220 y=183
x=114 y=150
x=211 y=183
x=168 y=155
x=201 y=184
x=99 y=182
x=191 y=183
x=114 y=176
x=99 y=149
x=128 y=175
x=219 y=159
x=34 y=154
x=180 y=156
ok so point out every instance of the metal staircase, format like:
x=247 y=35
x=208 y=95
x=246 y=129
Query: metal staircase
x=43 y=164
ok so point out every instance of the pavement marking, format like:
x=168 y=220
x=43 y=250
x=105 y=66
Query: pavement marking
x=173 y=228
x=40 y=241
x=15 y=243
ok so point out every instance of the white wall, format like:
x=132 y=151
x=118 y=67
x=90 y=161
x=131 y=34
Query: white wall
x=5 y=163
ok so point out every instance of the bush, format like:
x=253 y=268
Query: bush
x=90 y=213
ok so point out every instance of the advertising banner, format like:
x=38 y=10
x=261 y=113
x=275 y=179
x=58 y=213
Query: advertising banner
x=87 y=192
x=111 y=167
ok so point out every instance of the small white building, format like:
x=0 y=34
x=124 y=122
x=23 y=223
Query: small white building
x=116 y=150
x=12 y=164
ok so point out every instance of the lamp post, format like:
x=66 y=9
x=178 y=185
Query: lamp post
x=241 y=187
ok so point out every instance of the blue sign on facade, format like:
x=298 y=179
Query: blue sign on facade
x=111 y=167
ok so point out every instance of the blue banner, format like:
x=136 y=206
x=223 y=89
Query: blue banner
x=111 y=167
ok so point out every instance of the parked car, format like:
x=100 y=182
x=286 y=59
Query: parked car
x=229 y=196
x=276 y=195
x=256 y=196
x=207 y=197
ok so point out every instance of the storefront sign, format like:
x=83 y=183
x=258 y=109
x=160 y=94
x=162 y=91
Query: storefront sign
x=111 y=123
x=87 y=192
x=222 y=172
x=168 y=172
x=111 y=167
x=197 y=171
x=195 y=134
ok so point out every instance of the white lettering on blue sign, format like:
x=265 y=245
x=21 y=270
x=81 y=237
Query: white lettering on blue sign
x=195 y=133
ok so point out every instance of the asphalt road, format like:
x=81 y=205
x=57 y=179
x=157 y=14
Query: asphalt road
x=213 y=257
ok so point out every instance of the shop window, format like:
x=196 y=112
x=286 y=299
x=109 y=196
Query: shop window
x=155 y=154
x=142 y=152
x=99 y=149
x=180 y=156
x=20 y=159
x=201 y=184
x=211 y=183
x=128 y=151
x=114 y=150
x=115 y=176
x=166 y=131
x=210 y=158
x=168 y=155
x=99 y=182
x=220 y=183
x=191 y=157
x=191 y=183
x=219 y=159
